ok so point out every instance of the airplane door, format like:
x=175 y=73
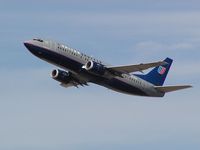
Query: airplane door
x=58 y=49
x=53 y=45
x=46 y=44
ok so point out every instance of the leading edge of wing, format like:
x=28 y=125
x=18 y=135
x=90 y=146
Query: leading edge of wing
x=135 y=68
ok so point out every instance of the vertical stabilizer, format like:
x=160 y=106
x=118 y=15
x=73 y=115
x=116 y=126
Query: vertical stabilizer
x=158 y=75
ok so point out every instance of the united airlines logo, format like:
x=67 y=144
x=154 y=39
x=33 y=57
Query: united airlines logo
x=161 y=70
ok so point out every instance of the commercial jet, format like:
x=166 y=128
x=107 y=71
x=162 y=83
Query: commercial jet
x=79 y=69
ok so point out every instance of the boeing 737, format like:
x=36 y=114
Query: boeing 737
x=79 y=69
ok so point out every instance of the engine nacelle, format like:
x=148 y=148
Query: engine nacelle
x=95 y=68
x=61 y=76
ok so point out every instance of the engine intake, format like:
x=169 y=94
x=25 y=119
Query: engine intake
x=95 y=68
x=61 y=76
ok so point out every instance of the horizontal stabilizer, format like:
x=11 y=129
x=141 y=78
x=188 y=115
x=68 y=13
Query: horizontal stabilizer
x=166 y=89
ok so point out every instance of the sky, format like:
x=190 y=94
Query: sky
x=37 y=114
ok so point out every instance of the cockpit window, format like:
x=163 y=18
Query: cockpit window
x=39 y=40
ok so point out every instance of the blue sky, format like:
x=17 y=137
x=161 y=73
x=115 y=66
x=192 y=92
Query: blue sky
x=36 y=113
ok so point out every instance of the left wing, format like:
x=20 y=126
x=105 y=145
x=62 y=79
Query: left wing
x=70 y=84
x=134 y=68
x=67 y=79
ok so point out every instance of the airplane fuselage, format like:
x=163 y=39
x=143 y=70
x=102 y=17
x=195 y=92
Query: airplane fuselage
x=74 y=61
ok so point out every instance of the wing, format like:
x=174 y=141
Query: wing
x=134 y=68
x=166 y=89
x=68 y=79
x=72 y=84
x=75 y=81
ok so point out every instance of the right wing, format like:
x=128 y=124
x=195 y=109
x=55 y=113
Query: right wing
x=166 y=89
x=134 y=68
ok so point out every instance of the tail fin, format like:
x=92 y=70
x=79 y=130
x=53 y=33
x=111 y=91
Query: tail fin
x=158 y=75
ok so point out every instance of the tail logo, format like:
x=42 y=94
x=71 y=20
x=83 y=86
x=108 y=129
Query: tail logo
x=161 y=70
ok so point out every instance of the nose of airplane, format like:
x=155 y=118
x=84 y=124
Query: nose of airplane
x=27 y=44
x=33 y=48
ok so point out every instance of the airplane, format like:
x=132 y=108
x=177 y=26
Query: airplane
x=79 y=69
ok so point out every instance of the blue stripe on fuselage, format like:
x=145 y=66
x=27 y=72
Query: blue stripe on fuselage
x=123 y=87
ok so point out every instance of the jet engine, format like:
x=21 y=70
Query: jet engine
x=95 y=68
x=61 y=76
